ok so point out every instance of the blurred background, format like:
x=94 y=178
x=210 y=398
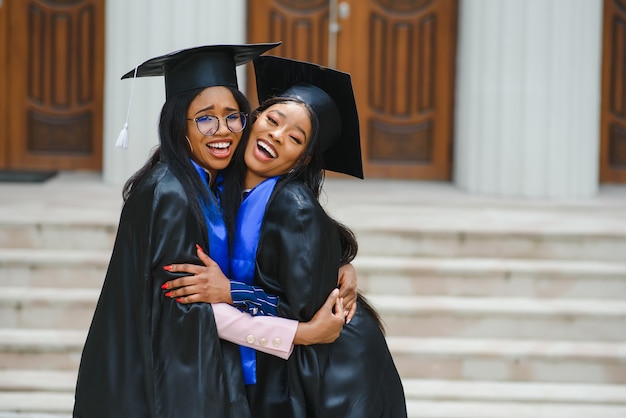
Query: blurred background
x=498 y=97
x=491 y=224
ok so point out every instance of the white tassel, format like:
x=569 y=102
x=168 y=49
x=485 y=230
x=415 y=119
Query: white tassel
x=122 y=138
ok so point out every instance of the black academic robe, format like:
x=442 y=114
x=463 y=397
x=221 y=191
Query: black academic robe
x=355 y=377
x=147 y=356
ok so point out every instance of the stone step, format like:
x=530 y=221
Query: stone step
x=24 y=380
x=503 y=277
x=431 y=358
x=409 y=241
x=444 y=409
x=91 y=233
x=419 y=224
x=399 y=275
x=508 y=318
x=41 y=349
x=534 y=392
x=48 y=394
x=382 y=229
x=47 y=308
x=460 y=317
x=84 y=268
x=19 y=403
x=16 y=380
x=34 y=415
x=509 y=360
x=36 y=393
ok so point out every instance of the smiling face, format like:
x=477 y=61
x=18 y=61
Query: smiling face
x=278 y=138
x=214 y=152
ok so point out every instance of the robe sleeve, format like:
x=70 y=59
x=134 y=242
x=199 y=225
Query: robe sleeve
x=296 y=258
x=253 y=299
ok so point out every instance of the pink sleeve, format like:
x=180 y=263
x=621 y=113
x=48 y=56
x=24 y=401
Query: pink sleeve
x=269 y=334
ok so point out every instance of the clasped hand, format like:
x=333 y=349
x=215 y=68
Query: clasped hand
x=207 y=283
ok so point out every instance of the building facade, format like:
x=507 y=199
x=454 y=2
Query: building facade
x=498 y=97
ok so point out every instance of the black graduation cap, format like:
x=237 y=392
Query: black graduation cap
x=329 y=94
x=203 y=66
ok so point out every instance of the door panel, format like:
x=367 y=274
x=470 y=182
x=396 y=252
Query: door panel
x=4 y=145
x=400 y=54
x=405 y=81
x=613 y=115
x=302 y=25
x=55 y=84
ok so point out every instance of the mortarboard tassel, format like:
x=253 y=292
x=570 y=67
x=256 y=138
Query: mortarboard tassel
x=122 y=138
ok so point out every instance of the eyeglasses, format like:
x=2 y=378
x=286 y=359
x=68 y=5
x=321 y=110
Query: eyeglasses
x=209 y=124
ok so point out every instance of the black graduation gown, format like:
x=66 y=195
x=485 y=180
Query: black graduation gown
x=147 y=355
x=297 y=260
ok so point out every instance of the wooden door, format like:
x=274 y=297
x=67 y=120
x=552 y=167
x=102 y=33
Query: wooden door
x=613 y=114
x=400 y=54
x=4 y=146
x=53 y=72
x=302 y=26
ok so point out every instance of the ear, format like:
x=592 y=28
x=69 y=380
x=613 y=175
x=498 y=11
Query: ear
x=307 y=160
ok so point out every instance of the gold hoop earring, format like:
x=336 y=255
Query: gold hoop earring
x=189 y=142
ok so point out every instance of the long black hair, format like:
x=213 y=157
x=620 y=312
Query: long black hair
x=309 y=170
x=174 y=151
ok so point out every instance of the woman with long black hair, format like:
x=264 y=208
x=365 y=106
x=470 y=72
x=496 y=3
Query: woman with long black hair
x=147 y=355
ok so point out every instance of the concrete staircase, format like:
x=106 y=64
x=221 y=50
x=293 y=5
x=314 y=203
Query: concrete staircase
x=493 y=308
x=498 y=308
x=55 y=243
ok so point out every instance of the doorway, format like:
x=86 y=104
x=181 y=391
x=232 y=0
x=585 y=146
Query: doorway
x=401 y=56
x=51 y=79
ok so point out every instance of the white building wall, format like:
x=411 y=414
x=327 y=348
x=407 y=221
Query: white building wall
x=527 y=118
x=527 y=97
x=138 y=30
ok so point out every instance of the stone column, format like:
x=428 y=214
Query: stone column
x=528 y=97
x=142 y=29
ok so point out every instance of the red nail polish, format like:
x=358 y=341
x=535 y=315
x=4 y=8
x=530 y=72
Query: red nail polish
x=177 y=299
x=164 y=286
x=168 y=294
x=199 y=248
x=168 y=268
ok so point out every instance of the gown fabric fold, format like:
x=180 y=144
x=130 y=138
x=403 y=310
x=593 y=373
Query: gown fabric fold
x=146 y=355
x=355 y=377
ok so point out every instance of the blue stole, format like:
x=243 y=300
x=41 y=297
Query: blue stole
x=216 y=228
x=245 y=242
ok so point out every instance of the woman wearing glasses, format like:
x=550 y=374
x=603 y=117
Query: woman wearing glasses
x=147 y=355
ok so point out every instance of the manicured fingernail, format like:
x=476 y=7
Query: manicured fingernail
x=177 y=299
x=168 y=294
x=164 y=286
x=199 y=248
x=168 y=268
